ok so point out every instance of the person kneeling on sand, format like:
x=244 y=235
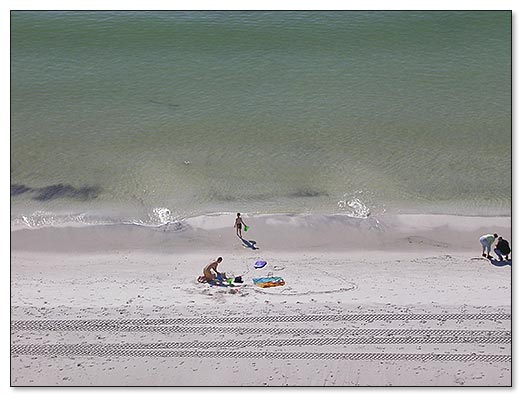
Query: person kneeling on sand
x=487 y=240
x=207 y=272
x=502 y=248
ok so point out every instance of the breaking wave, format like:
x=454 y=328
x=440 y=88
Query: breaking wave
x=353 y=207
x=156 y=217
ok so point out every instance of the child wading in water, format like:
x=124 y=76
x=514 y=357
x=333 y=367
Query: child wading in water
x=238 y=224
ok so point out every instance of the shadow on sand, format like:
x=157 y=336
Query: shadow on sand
x=498 y=263
x=249 y=243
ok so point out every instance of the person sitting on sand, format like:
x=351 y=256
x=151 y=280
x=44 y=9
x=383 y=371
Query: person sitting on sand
x=487 y=240
x=207 y=271
x=238 y=224
x=502 y=248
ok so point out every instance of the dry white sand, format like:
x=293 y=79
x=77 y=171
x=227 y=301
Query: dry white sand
x=399 y=300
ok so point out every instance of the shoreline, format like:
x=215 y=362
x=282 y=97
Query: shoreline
x=328 y=233
x=43 y=219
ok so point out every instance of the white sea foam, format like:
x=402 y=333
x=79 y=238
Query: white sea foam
x=353 y=206
x=41 y=219
x=163 y=215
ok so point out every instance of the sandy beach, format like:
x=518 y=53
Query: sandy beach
x=391 y=300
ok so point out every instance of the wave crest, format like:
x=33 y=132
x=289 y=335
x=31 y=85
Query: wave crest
x=156 y=217
x=353 y=206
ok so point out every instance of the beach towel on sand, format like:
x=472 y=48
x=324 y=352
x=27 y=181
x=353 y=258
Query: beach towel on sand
x=267 y=282
x=219 y=281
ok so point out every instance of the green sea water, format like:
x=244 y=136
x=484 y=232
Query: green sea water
x=151 y=116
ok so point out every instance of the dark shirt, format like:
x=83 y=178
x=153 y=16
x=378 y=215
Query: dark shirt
x=503 y=246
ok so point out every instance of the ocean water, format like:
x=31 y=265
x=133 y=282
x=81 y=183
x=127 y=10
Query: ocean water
x=150 y=117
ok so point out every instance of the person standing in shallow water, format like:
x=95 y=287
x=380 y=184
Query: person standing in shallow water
x=487 y=241
x=238 y=226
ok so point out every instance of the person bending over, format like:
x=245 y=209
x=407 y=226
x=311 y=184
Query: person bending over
x=502 y=248
x=487 y=240
x=209 y=270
